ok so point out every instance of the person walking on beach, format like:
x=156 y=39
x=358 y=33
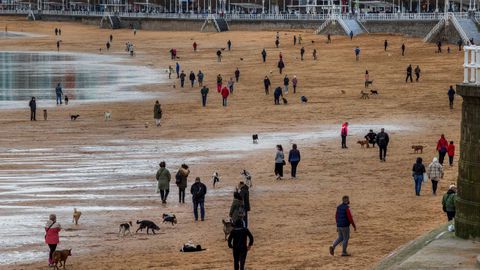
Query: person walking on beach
x=367 y=78
x=435 y=173
x=281 y=65
x=344 y=219
x=442 y=148
x=219 y=83
x=439 y=46
x=52 y=236
x=403 y=49
x=264 y=55
x=343 y=134
x=244 y=192
x=230 y=84
x=286 y=82
x=200 y=77
x=219 y=56
x=59 y=31
x=329 y=39
x=58 y=94
x=417 y=73
x=460 y=43
x=170 y=71
x=276 y=95
x=418 y=170
x=157 y=113
x=111 y=38
x=229 y=45
x=237 y=74
x=266 y=84
x=314 y=54
x=382 y=140
x=451 y=96
x=107 y=45
x=163 y=177
x=385 y=45
x=182 y=78
x=294 y=40
x=277 y=43
x=56 y=31
x=237 y=208
x=33 y=109
x=225 y=93
x=351 y=35
x=194 y=46
x=448 y=202
x=451 y=153
x=300 y=39
x=237 y=241
x=192 y=78
x=357 y=53
x=294 y=84
x=204 y=92
x=302 y=52
x=409 y=74
x=294 y=159
x=58 y=45
x=279 y=162
x=198 y=191
x=181 y=180
x=177 y=69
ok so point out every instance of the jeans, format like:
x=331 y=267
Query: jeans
x=418 y=183
x=204 y=101
x=382 y=152
x=294 y=168
x=343 y=237
x=344 y=141
x=192 y=82
x=239 y=257
x=224 y=102
x=286 y=89
x=59 y=99
x=182 y=82
x=434 y=186
x=181 y=195
x=441 y=156
x=33 y=115
x=450 y=215
x=52 y=247
x=279 y=169
x=164 y=194
x=202 y=209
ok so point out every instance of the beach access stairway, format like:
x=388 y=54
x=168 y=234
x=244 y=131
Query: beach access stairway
x=110 y=21
x=354 y=26
x=470 y=27
x=220 y=24
x=348 y=25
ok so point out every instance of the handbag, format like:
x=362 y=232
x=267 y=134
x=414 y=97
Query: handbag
x=425 y=177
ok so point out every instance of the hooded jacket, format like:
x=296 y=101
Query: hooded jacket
x=184 y=177
x=163 y=177
x=225 y=92
x=442 y=144
x=52 y=231
x=435 y=170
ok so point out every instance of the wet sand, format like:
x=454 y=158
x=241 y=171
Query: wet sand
x=106 y=169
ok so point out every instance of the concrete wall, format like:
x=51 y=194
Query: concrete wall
x=410 y=28
x=333 y=29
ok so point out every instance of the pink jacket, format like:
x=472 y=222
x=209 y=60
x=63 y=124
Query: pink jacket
x=52 y=234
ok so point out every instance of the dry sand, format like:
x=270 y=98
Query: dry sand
x=292 y=221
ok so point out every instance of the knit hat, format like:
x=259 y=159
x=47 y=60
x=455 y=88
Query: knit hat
x=435 y=159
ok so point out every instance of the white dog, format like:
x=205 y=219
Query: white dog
x=107 y=116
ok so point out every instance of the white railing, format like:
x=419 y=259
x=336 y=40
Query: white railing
x=400 y=16
x=342 y=23
x=471 y=67
x=323 y=26
x=434 y=30
x=459 y=28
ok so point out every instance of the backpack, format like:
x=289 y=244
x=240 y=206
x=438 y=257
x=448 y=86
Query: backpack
x=178 y=177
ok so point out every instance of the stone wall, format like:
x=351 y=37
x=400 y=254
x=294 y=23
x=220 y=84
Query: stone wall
x=409 y=28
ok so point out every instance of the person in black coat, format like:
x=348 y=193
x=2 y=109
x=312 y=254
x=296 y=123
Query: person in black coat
x=192 y=78
x=264 y=55
x=198 y=191
x=276 y=95
x=382 y=140
x=281 y=65
x=237 y=241
x=33 y=109
x=266 y=83
x=245 y=194
x=371 y=137
x=237 y=74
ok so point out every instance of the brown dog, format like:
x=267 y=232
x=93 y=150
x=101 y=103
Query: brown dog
x=364 y=95
x=60 y=256
x=363 y=143
x=76 y=215
x=417 y=148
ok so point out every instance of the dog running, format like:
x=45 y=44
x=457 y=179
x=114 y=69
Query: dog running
x=215 y=178
x=76 y=216
x=124 y=228
x=60 y=257
x=367 y=83
x=74 y=117
x=149 y=225
x=364 y=95
x=169 y=218
x=255 y=138
x=247 y=177
x=417 y=148
x=374 y=92
x=227 y=227
x=107 y=116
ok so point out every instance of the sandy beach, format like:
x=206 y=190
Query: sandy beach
x=106 y=169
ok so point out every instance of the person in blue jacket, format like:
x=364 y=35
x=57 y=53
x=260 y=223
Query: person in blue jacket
x=294 y=159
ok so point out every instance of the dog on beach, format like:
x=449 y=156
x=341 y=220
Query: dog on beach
x=417 y=148
x=364 y=95
x=124 y=228
x=285 y=101
x=66 y=100
x=169 y=218
x=107 y=116
x=363 y=143
x=215 y=178
x=303 y=99
x=343 y=92
x=247 y=177
x=45 y=115
x=60 y=257
x=374 y=92
x=147 y=224
x=76 y=216
x=255 y=138
x=74 y=117
x=227 y=227
x=367 y=83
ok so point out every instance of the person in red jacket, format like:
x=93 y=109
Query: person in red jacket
x=451 y=152
x=343 y=134
x=52 y=238
x=225 y=92
x=442 y=148
x=194 y=46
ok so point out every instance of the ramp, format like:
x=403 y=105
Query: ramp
x=220 y=24
x=469 y=26
x=354 y=26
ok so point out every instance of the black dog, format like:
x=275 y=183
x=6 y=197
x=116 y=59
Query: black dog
x=255 y=138
x=304 y=99
x=74 y=117
x=373 y=92
x=285 y=101
x=147 y=224
x=169 y=218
